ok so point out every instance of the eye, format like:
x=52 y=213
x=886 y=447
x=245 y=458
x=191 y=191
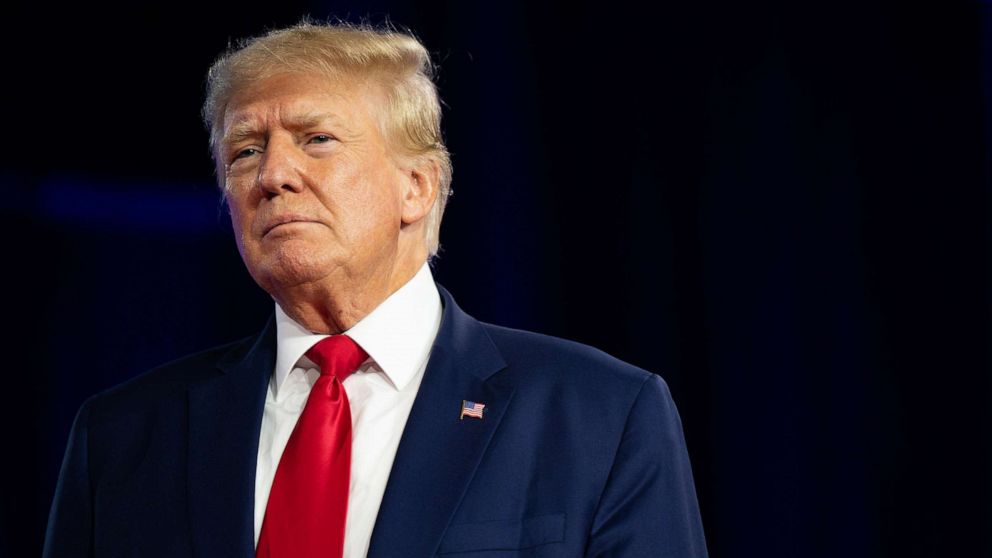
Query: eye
x=247 y=152
x=321 y=138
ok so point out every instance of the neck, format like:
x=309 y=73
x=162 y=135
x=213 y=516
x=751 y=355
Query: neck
x=335 y=304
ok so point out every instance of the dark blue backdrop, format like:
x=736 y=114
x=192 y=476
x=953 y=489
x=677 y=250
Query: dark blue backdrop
x=783 y=209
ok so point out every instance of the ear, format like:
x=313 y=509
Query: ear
x=422 y=179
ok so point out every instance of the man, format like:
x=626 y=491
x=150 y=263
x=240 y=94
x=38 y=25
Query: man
x=371 y=416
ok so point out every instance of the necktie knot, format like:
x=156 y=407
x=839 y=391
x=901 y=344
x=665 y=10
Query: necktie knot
x=337 y=355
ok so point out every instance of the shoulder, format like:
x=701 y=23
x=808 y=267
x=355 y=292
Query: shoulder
x=535 y=358
x=548 y=365
x=146 y=390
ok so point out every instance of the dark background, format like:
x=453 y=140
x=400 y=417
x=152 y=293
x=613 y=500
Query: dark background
x=783 y=209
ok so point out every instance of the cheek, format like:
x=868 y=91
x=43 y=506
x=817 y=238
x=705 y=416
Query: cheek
x=382 y=211
x=237 y=215
x=388 y=195
x=367 y=199
x=241 y=217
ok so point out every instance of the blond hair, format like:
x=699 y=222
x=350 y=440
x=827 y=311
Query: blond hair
x=411 y=120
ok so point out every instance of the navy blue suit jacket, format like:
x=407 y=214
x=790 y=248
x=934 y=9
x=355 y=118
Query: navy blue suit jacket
x=578 y=454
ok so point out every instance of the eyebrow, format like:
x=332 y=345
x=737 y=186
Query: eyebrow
x=248 y=127
x=311 y=119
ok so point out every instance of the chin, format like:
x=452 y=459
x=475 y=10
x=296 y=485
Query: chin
x=290 y=266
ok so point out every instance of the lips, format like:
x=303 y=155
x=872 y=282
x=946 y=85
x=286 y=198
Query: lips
x=284 y=219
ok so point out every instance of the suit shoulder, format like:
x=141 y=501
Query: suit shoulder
x=554 y=357
x=143 y=389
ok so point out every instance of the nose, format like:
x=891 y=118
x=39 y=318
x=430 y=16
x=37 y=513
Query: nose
x=280 y=171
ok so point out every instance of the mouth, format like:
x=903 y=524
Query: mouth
x=283 y=221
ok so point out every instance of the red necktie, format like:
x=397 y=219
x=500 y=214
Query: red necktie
x=308 y=503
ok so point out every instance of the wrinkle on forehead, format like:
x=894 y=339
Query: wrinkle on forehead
x=276 y=101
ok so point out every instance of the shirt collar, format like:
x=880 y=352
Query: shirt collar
x=397 y=334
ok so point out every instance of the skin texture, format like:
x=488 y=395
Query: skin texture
x=328 y=217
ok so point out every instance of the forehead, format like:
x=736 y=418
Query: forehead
x=291 y=99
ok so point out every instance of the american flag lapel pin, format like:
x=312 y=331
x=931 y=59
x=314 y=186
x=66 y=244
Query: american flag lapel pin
x=472 y=409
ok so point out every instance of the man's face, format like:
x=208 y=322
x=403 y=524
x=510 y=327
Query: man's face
x=312 y=185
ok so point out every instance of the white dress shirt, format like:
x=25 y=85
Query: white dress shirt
x=398 y=336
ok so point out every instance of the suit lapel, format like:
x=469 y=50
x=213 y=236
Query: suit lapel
x=439 y=453
x=225 y=416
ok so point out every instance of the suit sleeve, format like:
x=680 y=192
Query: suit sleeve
x=648 y=507
x=70 y=523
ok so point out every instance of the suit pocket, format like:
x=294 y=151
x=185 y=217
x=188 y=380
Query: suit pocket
x=504 y=535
